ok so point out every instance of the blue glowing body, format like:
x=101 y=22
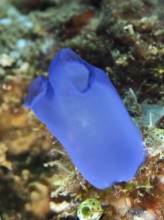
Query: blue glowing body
x=82 y=109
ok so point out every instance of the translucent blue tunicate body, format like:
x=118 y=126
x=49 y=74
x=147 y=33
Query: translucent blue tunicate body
x=82 y=109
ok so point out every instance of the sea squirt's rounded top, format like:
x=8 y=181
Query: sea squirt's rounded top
x=36 y=91
x=69 y=72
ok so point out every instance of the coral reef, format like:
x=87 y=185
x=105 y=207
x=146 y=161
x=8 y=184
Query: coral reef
x=125 y=39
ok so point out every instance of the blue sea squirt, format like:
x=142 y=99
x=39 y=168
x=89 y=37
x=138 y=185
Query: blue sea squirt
x=82 y=109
